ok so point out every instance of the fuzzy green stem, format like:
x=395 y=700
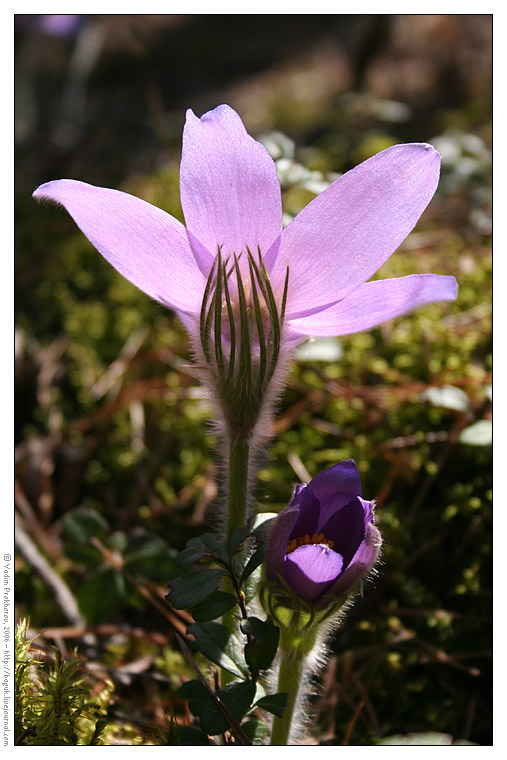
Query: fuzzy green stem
x=237 y=494
x=290 y=675
x=237 y=503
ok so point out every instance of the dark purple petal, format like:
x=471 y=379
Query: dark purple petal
x=368 y=549
x=309 y=509
x=346 y=528
x=336 y=487
x=310 y=569
x=367 y=509
x=278 y=541
x=361 y=564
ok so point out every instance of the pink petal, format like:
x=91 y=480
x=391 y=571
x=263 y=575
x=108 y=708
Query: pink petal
x=375 y=302
x=145 y=244
x=343 y=236
x=230 y=193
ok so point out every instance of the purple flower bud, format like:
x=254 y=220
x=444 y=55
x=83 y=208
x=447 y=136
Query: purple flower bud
x=325 y=541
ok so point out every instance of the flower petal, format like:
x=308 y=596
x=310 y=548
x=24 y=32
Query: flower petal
x=310 y=569
x=230 y=193
x=278 y=540
x=375 y=302
x=335 y=487
x=346 y=529
x=145 y=244
x=345 y=234
x=309 y=509
x=361 y=564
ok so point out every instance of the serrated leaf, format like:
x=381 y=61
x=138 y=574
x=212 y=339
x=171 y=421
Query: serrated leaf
x=213 y=607
x=193 y=587
x=223 y=648
x=274 y=703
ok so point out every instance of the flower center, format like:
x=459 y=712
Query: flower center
x=317 y=538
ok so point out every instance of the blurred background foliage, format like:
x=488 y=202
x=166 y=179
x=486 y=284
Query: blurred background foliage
x=115 y=467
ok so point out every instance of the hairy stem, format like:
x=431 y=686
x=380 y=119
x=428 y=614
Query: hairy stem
x=237 y=492
x=290 y=677
x=237 y=504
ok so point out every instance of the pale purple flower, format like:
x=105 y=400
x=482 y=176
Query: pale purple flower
x=325 y=541
x=61 y=25
x=231 y=200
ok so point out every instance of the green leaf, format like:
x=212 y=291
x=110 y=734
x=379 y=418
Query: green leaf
x=260 y=653
x=193 y=689
x=79 y=526
x=190 y=555
x=82 y=523
x=211 y=718
x=239 y=535
x=197 y=549
x=255 y=730
x=237 y=698
x=214 y=641
x=253 y=563
x=193 y=587
x=274 y=703
x=213 y=607
x=100 y=594
x=202 y=704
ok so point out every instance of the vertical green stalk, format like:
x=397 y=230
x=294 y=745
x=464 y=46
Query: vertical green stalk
x=290 y=675
x=237 y=502
x=237 y=495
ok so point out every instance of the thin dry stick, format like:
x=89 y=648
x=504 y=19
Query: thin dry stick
x=352 y=723
x=37 y=562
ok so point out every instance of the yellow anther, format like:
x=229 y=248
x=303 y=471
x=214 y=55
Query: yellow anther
x=317 y=538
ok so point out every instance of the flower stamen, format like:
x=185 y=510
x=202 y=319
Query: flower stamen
x=317 y=538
